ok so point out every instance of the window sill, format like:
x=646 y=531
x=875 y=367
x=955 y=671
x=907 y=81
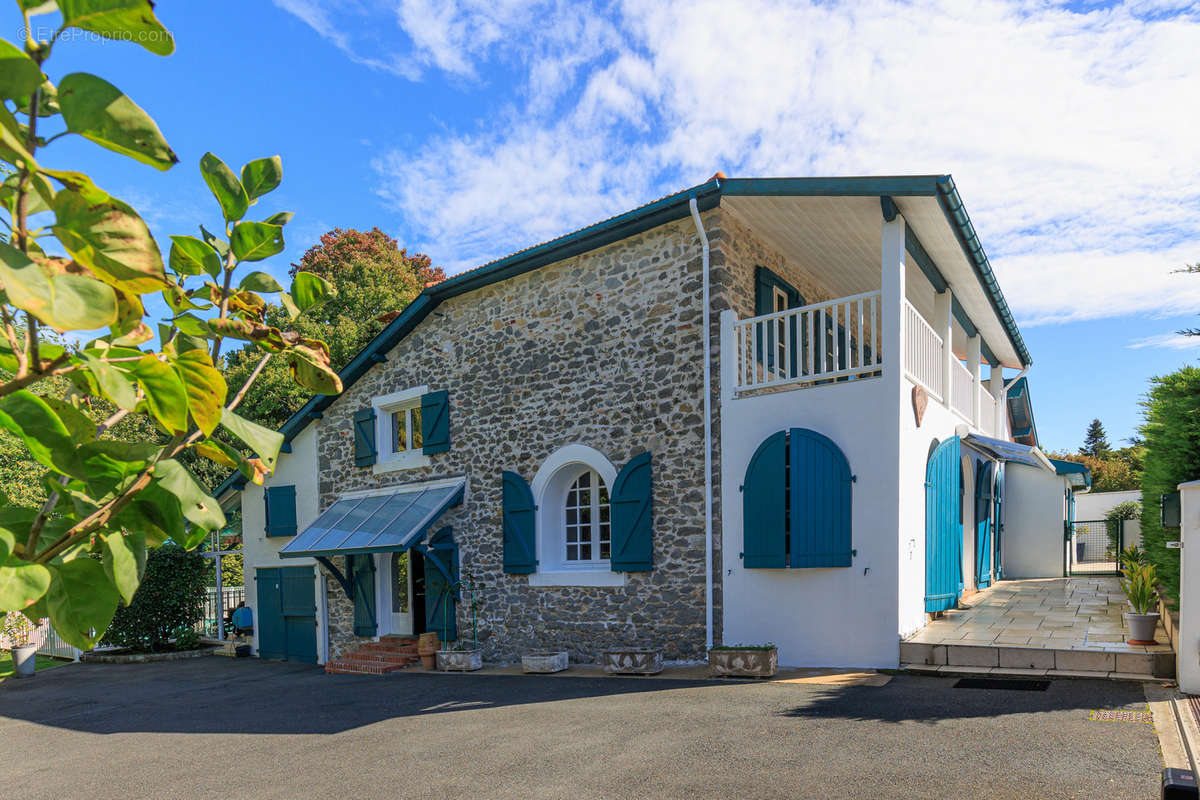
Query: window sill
x=591 y=577
x=412 y=461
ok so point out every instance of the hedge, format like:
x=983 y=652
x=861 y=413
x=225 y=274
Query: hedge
x=169 y=601
x=1171 y=430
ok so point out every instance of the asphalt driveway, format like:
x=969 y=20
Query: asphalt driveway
x=215 y=727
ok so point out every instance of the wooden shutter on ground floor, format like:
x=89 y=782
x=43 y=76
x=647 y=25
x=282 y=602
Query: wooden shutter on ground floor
x=362 y=584
x=820 y=487
x=764 y=505
x=519 y=525
x=632 y=517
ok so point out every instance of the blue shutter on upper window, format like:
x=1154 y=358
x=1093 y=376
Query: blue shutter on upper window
x=435 y=422
x=820 y=482
x=631 y=522
x=365 y=452
x=519 y=525
x=280 y=504
x=764 y=505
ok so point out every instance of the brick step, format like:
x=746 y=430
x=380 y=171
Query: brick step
x=387 y=647
x=346 y=667
x=1096 y=662
x=399 y=658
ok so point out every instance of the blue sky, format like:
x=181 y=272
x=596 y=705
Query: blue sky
x=469 y=129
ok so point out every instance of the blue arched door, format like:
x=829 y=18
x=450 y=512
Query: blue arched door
x=983 y=525
x=943 y=528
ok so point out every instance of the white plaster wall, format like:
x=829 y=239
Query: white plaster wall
x=1187 y=658
x=1094 y=505
x=817 y=617
x=1033 y=522
x=298 y=468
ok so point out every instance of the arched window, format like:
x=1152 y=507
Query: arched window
x=587 y=536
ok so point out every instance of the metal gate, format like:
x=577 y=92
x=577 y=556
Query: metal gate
x=1093 y=547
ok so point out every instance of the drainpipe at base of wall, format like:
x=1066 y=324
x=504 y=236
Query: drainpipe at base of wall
x=708 y=487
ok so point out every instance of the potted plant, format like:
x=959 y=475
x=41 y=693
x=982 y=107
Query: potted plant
x=545 y=661
x=1140 y=586
x=18 y=631
x=632 y=661
x=1132 y=556
x=744 y=660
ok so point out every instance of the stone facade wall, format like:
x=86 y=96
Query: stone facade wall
x=603 y=349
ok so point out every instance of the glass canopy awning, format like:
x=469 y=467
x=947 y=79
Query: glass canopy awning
x=377 y=523
x=1008 y=451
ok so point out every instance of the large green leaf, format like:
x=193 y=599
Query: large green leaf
x=310 y=368
x=79 y=425
x=259 y=282
x=107 y=236
x=225 y=186
x=164 y=392
x=280 y=218
x=310 y=290
x=12 y=140
x=64 y=301
x=125 y=20
x=19 y=75
x=254 y=241
x=114 y=382
x=263 y=441
x=205 y=388
x=154 y=516
x=36 y=204
x=99 y=111
x=121 y=562
x=198 y=506
x=81 y=600
x=191 y=256
x=21 y=585
x=261 y=176
x=28 y=417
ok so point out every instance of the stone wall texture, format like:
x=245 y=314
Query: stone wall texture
x=603 y=349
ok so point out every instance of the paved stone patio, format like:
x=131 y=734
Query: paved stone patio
x=1082 y=613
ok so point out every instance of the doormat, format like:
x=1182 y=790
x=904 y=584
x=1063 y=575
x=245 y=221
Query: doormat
x=1104 y=715
x=996 y=683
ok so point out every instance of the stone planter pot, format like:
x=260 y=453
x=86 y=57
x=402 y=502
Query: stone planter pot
x=24 y=660
x=1141 y=627
x=544 y=662
x=459 y=660
x=632 y=661
x=747 y=663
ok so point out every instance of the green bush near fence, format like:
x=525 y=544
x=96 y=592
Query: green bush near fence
x=1130 y=509
x=1171 y=430
x=168 y=603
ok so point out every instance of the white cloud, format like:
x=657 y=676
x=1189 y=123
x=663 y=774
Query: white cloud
x=1168 y=341
x=1070 y=134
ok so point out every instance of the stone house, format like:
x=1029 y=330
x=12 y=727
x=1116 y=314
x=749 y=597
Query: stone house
x=748 y=411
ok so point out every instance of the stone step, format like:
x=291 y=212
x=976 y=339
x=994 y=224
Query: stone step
x=1001 y=672
x=1096 y=662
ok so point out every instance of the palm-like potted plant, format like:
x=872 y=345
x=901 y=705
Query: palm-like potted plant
x=1141 y=589
x=18 y=631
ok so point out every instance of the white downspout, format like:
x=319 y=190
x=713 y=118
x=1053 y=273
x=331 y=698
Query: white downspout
x=708 y=487
x=1015 y=378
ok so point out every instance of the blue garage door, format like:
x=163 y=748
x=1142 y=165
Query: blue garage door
x=287 y=614
x=943 y=528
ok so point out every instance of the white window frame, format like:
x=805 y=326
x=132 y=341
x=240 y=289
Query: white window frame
x=386 y=459
x=779 y=302
x=593 y=526
x=549 y=487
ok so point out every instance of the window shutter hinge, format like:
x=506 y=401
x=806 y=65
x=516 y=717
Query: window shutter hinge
x=854 y=479
x=854 y=553
x=741 y=488
x=741 y=555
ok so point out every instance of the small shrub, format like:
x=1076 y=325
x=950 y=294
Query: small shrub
x=1130 y=509
x=16 y=630
x=169 y=600
x=1141 y=588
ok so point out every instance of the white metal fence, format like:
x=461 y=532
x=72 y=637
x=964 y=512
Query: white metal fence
x=51 y=644
x=215 y=607
x=923 y=352
x=836 y=340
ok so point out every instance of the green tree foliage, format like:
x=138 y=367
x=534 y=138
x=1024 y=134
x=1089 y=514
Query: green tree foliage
x=1095 y=443
x=169 y=601
x=79 y=261
x=374 y=279
x=1171 y=431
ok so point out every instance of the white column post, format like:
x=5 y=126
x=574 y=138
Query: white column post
x=974 y=351
x=1187 y=652
x=943 y=321
x=892 y=267
x=728 y=355
x=996 y=379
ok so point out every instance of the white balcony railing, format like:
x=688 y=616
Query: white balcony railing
x=837 y=340
x=923 y=352
x=961 y=388
x=987 y=412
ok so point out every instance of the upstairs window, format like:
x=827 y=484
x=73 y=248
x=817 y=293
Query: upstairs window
x=406 y=428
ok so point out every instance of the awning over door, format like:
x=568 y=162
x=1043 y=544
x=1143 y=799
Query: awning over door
x=1009 y=451
x=376 y=523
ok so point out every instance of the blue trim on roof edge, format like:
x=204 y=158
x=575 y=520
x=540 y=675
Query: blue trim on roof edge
x=668 y=209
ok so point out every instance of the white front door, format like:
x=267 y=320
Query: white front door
x=395 y=600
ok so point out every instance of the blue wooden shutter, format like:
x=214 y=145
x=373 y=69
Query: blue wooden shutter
x=280 y=502
x=435 y=422
x=764 y=505
x=983 y=524
x=362 y=581
x=820 y=529
x=943 y=527
x=632 y=516
x=519 y=525
x=272 y=641
x=441 y=608
x=365 y=452
x=765 y=283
